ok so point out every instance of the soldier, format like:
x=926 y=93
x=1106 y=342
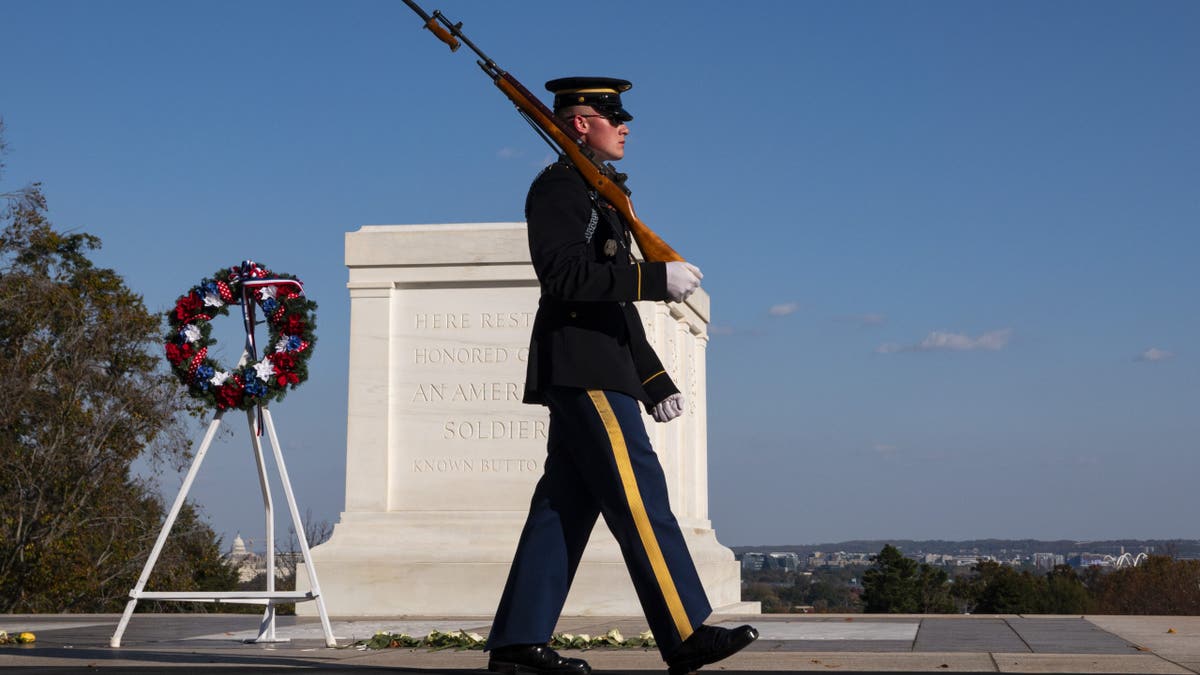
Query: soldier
x=590 y=363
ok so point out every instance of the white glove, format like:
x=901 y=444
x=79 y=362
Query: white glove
x=683 y=278
x=669 y=408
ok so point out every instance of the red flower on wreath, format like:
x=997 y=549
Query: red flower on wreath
x=188 y=306
x=177 y=353
x=283 y=361
x=229 y=395
x=285 y=366
x=295 y=325
x=284 y=379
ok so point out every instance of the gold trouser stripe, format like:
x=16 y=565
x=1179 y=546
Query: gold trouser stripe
x=647 y=380
x=640 y=519
x=639 y=269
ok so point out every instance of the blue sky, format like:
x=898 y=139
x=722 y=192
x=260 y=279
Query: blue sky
x=950 y=246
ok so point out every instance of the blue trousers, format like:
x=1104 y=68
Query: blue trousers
x=599 y=460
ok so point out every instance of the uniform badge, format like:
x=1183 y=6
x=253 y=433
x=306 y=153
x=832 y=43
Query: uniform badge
x=610 y=247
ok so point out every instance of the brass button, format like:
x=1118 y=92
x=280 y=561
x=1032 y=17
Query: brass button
x=572 y=315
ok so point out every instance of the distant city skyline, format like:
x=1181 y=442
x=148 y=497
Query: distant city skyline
x=950 y=247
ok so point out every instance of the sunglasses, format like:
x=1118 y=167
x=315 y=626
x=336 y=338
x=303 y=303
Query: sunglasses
x=613 y=119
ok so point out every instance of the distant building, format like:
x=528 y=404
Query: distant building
x=753 y=562
x=838 y=559
x=789 y=562
x=1048 y=561
x=250 y=564
x=247 y=562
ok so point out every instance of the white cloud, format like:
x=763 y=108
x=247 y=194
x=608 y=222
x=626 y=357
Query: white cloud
x=1155 y=354
x=508 y=153
x=952 y=342
x=720 y=329
x=783 y=309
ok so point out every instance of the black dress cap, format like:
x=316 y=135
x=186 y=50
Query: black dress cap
x=602 y=93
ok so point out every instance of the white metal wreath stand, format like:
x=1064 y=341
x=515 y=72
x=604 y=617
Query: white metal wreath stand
x=269 y=597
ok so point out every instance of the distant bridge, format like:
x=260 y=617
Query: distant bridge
x=1125 y=560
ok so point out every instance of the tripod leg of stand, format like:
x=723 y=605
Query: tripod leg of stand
x=300 y=534
x=266 y=628
x=166 y=529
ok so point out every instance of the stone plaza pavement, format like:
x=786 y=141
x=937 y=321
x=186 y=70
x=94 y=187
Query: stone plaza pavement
x=70 y=643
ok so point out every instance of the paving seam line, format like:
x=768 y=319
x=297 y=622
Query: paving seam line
x=995 y=663
x=1135 y=645
x=1018 y=634
x=1173 y=662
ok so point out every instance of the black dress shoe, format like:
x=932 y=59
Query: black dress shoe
x=534 y=660
x=709 y=644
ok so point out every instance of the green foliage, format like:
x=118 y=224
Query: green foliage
x=1006 y=591
x=1160 y=585
x=999 y=589
x=81 y=397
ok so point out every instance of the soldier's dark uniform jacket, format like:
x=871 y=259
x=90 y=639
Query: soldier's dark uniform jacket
x=587 y=332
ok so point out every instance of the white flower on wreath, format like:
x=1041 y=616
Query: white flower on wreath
x=264 y=370
x=191 y=332
x=269 y=291
x=218 y=378
x=281 y=346
x=213 y=300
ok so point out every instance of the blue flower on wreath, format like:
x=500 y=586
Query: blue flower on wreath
x=269 y=305
x=203 y=375
x=253 y=386
x=293 y=343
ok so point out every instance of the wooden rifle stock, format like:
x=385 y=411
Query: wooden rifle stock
x=602 y=178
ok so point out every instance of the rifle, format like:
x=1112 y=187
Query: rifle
x=607 y=182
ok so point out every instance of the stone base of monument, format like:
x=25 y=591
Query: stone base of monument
x=456 y=564
x=441 y=454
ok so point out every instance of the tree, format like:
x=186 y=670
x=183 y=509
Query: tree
x=895 y=584
x=933 y=590
x=82 y=396
x=1006 y=591
x=891 y=584
x=1065 y=592
x=831 y=593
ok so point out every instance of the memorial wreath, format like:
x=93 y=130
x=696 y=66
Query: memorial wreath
x=290 y=323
